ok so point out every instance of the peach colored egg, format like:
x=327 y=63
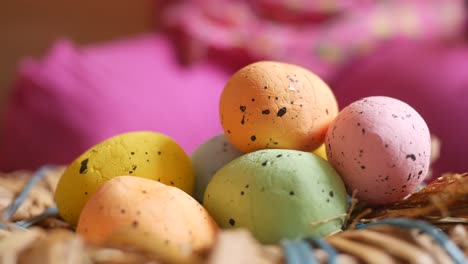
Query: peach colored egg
x=146 y=215
x=381 y=147
x=276 y=105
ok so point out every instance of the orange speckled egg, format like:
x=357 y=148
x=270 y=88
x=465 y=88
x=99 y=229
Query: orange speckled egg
x=276 y=105
x=146 y=215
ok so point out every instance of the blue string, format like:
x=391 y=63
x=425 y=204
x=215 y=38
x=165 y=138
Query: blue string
x=331 y=252
x=455 y=253
x=298 y=252
x=8 y=212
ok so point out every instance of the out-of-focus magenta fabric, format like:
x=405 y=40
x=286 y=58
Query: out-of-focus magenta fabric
x=319 y=35
x=75 y=97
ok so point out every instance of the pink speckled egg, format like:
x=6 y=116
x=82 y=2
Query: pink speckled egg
x=381 y=147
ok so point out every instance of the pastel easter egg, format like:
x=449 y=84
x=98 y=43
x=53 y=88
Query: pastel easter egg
x=208 y=158
x=144 y=154
x=276 y=105
x=277 y=194
x=381 y=147
x=432 y=79
x=146 y=215
x=321 y=151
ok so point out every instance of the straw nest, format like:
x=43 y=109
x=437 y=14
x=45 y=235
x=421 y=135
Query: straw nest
x=430 y=226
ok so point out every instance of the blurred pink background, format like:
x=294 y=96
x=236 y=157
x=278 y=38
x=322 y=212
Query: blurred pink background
x=110 y=67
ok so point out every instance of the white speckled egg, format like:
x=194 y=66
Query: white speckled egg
x=381 y=147
x=208 y=158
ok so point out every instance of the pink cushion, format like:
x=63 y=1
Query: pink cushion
x=75 y=97
x=434 y=80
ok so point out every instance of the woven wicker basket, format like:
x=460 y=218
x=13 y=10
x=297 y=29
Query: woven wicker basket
x=430 y=226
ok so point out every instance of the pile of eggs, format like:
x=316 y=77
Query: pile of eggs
x=282 y=168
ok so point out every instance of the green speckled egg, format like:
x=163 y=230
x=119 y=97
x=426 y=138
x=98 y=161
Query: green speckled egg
x=277 y=194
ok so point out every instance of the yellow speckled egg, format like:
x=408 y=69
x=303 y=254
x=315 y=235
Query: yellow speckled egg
x=149 y=216
x=321 y=152
x=144 y=154
x=276 y=105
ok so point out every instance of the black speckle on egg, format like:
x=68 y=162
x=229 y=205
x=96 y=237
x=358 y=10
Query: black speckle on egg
x=84 y=166
x=86 y=193
x=281 y=112
x=409 y=177
x=363 y=167
x=326 y=111
x=265 y=87
x=229 y=131
x=243 y=120
x=420 y=172
x=159 y=152
x=276 y=97
x=130 y=172
x=147 y=160
x=291 y=193
x=387 y=177
x=242 y=193
x=122 y=211
x=143 y=191
x=363 y=131
x=246 y=186
x=411 y=156
x=172 y=183
x=232 y=222
x=266 y=112
x=253 y=138
x=146 y=153
x=132 y=153
x=265 y=163
x=358 y=124
x=242 y=108
x=331 y=194
x=134 y=167
x=279 y=155
x=328 y=200
x=253 y=99
x=292 y=102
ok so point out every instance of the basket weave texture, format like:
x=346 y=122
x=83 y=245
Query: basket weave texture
x=442 y=204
